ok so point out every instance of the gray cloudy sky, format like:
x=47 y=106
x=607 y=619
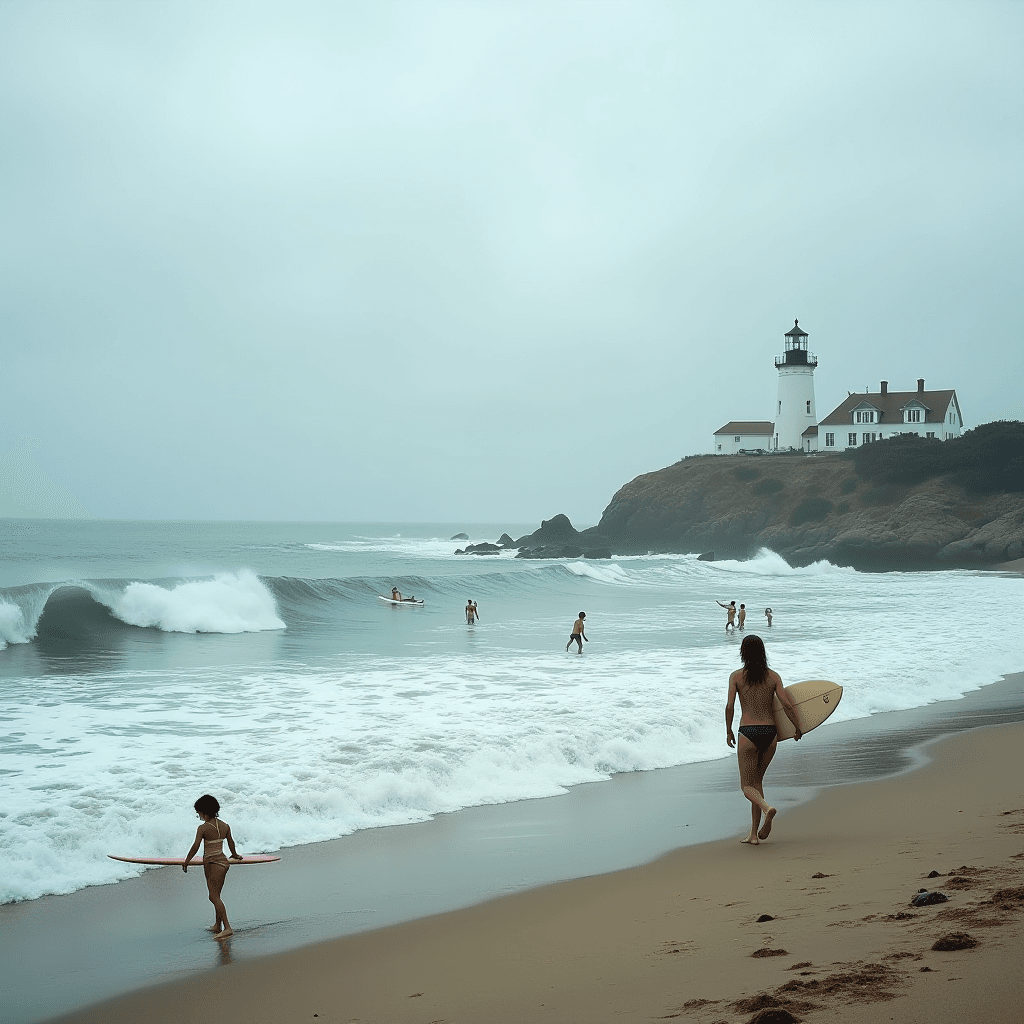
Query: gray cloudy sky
x=485 y=261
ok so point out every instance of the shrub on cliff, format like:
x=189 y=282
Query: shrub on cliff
x=985 y=459
x=810 y=510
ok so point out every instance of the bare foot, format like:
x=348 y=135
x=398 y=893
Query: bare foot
x=213 y=928
x=224 y=934
x=752 y=839
x=766 y=828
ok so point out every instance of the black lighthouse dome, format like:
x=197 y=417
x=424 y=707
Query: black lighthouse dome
x=796 y=353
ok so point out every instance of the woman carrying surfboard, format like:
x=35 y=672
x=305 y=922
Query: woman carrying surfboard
x=212 y=834
x=757 y=686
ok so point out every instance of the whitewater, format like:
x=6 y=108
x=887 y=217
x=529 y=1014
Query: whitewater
x=144 y=664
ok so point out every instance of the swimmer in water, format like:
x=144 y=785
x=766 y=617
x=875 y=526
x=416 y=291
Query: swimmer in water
x=731 y=609
x=577 y=632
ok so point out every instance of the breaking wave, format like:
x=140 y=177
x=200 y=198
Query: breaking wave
x=228 y=603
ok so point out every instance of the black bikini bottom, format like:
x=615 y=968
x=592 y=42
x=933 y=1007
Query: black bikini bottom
x=762 y=736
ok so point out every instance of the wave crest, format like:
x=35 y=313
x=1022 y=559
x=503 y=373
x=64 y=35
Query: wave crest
x=229 y=603
x=770 y=563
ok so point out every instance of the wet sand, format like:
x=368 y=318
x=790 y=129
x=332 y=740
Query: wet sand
x=481 y=962
x=679 y=939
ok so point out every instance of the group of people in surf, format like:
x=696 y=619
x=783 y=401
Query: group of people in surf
x=737 y=617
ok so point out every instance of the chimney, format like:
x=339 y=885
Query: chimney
x=885 y=387
x=920 y=385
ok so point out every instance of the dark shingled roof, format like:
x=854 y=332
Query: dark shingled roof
x=810 y=432
x=796 y=332
x=890 y=406
x=759 y=427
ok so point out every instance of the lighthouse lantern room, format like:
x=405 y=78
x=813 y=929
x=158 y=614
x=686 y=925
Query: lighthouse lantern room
x=794 y=408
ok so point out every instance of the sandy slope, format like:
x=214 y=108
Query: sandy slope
x=673 y=940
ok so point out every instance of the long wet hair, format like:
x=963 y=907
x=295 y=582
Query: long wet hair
x=755 y=659
x=207 y=805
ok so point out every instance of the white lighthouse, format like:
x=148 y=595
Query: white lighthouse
x=794 y=409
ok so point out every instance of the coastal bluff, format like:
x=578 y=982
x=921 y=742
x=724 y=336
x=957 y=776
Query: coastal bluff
x=899 y=504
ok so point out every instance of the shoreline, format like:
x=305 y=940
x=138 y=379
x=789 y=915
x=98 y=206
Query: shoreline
x=456 y=860
x=680 y=937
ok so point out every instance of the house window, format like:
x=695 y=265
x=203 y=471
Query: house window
x=931 y=433
x=780 y=407
x=830 y=440
x=866 y=416
x=737 y=438
x=808 y=408
x=852 y=439
x=868 y=438
x=719 y=447
x=913 y=415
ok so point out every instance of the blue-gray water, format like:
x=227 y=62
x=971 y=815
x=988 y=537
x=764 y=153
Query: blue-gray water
x=146 y=663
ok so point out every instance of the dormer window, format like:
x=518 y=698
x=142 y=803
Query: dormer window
x=865 y=416
x=913 y=416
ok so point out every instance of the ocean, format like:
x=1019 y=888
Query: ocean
x=145 y=663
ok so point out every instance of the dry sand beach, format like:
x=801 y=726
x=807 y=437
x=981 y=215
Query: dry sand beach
x=679 y=939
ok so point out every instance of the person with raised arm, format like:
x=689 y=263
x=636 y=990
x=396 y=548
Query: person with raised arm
x=731 y=610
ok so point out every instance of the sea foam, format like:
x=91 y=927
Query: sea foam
x=229 y=603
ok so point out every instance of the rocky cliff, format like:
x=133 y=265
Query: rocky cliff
x=808 y=508
x=904 y=503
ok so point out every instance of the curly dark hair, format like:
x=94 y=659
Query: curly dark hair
x=207 y=805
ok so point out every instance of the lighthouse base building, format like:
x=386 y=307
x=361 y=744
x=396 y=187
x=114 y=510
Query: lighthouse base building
x=860 y=419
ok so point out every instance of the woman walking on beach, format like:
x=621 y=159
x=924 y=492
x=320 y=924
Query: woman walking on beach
x=212 y=834
x=756 y=684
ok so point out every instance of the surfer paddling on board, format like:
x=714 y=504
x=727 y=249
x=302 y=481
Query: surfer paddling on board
x=577 y=632
x=212 y=834
x=757 y=685
x=396 y=594
x=731 y=609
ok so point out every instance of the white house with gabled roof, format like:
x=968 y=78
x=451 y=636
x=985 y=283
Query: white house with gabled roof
x=873 y=416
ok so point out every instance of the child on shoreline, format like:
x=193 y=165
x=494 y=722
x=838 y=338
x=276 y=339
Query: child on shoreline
x=212 y=834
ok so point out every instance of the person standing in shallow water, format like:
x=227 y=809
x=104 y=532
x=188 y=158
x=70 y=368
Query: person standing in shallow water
x=472 y=615
x=756 y=685
x=731 y=609
x=212 y=833
x=742 y=617
x=577 y=632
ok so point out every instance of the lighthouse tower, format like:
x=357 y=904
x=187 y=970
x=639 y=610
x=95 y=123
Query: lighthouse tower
x=794 y=410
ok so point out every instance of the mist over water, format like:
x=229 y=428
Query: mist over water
x=262 y=667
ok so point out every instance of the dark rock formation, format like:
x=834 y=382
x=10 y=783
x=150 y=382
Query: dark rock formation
x=904 y=503
x=553 y=551
x=460 y=536
x=505 y=541
x=480 y=549
x=707 y=556
x=699 y=504
x=557 y=530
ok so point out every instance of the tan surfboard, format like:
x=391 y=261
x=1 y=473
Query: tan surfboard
x=815 y=700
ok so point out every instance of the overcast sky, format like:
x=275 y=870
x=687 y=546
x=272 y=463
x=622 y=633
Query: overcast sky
x=486 y=261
